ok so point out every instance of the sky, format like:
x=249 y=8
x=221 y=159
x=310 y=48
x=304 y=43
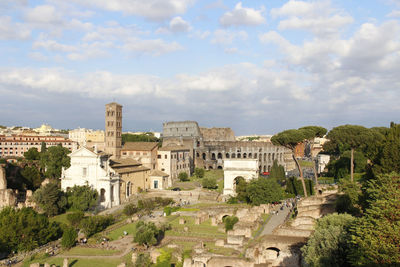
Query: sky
x=259 y=67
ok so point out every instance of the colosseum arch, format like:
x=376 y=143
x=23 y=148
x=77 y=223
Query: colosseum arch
x=219 y=155
x=227 y=156
x=244 y=155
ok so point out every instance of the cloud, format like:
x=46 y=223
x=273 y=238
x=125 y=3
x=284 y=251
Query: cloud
x=320 y=18
x=176 y=25
x=150 y=9
x=227 y=37
x=13 y=31
x=44 y=14
x=52 y=45
x=242 y=16
x=155 y=47
x=394 y=14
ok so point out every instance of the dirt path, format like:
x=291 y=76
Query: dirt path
x=275 y=221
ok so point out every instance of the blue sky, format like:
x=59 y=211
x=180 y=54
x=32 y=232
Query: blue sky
x=255 y=66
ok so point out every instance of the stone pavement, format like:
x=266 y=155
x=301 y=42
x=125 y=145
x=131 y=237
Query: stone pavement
x=275 y=221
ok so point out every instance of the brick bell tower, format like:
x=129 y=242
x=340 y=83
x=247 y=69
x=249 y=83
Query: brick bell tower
x=113 y=129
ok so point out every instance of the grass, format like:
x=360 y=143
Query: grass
x=258 y=231
x=117 y=233
x=304 y=163
x=81 y=251
x=211 y=247
x=204 y=230
x=76 y=262
x=62 y=218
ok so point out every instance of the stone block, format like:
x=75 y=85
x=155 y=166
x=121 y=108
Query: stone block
x=34 y=265
x=220 y=243
x=186 y=229
x=235 y=239
x=134 y=257
x=65 y=262
x=46 y=264
x=214 y=221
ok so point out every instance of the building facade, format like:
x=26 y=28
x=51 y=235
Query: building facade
x=17 y=145
x=113 y=129
x=145 y=152
x=174 y=159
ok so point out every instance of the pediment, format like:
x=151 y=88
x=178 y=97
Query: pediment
x=83 y=152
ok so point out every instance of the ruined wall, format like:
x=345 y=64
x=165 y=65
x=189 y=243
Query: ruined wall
x=181 y=129
x=217 y=134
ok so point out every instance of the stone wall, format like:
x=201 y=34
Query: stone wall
x=217 y=134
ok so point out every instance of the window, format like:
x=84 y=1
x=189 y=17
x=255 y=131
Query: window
x=84 y=172
x=165 y=156
x=159 y=156
x=155 y=184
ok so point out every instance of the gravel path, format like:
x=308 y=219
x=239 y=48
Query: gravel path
x=275 y=221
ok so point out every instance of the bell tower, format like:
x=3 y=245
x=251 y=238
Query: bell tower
x=113 y=129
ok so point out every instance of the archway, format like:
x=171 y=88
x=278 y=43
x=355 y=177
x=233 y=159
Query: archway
x=265 y=156
x=233 y=155
x=128 y=189
x=219 y=167
x=250 y=155
x=265 y=168
x=272 y=253
x=273 y=156
x=227 y=155
x=213 y=156
x=220 y=155
x=244 y=155
x=102 y=195
x=269 y=156
x=210 y=167
x=239 y=156
x=198 y=154
x=255 y=155
x=204 y=156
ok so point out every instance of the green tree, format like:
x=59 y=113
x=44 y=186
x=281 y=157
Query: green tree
x=130 y=209
x=209 y=182
x=183 y=177
x=277 y=171
x=375 y=238
x=94 y=224
x=146 y=137
x=290 y=139
x=43 y=147
x=294 y=187
x=24 y=229
x=263 y=191
x=75 y=218
x=82 y=198
x=69 y=238
x=146 y=233
x=32 y=154
x=50 y=199
x=164 y=260
x=229 y=222
x=143 y=260
x=340 y=168
x=327 y=246
x=199 y=172
x=348 y=202
x=32 y=176
x=54 y=159
x=311 y=133
x=347 y=137
x=241 y=189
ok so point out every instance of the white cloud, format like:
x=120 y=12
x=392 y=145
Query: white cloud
x=13 y=31
x=394 y=14
x=227 y=37
x=150 y=9
x=155 y=47
x=319 y=18
x=52 y=45
x=176 y=25
x=44 y=14
x=200 y=34
x=242 y=16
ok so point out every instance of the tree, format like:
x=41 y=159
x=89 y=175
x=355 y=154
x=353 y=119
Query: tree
x=229 y=222
x=277 y=171
x=146 y=233
x=241 y=189
x=130 y=209
x=375 y=238
x=349 y=201
x=82 y=198
x=143 y=260
x=43 y=147
x=209 y=182
x=94 y=224
x=50 y=199
x=340 y=168
x=199 y=172
x=32 y=154
x=347 y=137
x=183 y=177
x=290 y=139
x=69 y=237
x=75 y=218
x=24 y=229
x=311 y=133
x=32 y=177
x=263 y=191
x=295 y=187
x=54 y=159
x=327 y=246
x=146 y=137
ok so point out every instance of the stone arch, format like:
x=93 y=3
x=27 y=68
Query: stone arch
x=219 y=155
x=265 y=168
x=265 y=156
x=213 y=156
x=255 y=155
x=219 y=167
x=269 y=167
x=128 y=189
x=272 y=253
x=227 y=155
x=102 y=195
x=198 y=154
x=210 y=167
x=250 y=155
x=244 y=155
x=239 y=155
x=204 y=156
x=260 y=156
x=233 y=155
x=273 y=156
x=269 y=156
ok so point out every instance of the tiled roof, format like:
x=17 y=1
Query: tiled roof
x=119 y=163
x=158 y=173
x=139 y=146
x=131 y=169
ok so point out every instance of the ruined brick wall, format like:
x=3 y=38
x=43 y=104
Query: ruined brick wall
x=217 y=134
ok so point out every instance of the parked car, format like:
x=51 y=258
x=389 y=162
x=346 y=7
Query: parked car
x=176 y=189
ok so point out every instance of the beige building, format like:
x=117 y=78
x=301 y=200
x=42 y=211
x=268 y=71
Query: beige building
x=173 y=160
x=113 y=129
x=17 y=145
x=159 y=180
x=145 y=152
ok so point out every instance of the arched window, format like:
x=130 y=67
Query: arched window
x=220 y=155
x=213 y=156
x=244 y=155
x=227 y=155
x=204 y=156
x=102 y=195
x=239 y=156
x=233 y=155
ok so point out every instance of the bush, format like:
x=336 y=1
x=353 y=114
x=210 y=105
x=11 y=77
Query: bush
x=143 y=260
x=164 y=260
x=229 y=222
x=146 y=233
x=75 y=218
x=50 y=199
x=183 y=177
x=294 y=186
x=263 y=191
x=69 y=238
x=199 y=172
x=232 y=200
x=94 y=224
x=210 y=183
x=130 y=209
x=169 y=210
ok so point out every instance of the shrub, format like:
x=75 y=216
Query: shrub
x=164 y=260
x=199 y=172
x=130 y=209
x=50 y=199
x=183 y=177
x=169 y=210
x=232 y=200
x=146 y=233
x=210 y=183
x=229 y=222
x=95 y=224
x=75 y=218
x=143 y=260
x=264 y=190
x=69 y=238
x=82 y=198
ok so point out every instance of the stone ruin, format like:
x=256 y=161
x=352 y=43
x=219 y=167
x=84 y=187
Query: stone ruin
x=10 y=197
